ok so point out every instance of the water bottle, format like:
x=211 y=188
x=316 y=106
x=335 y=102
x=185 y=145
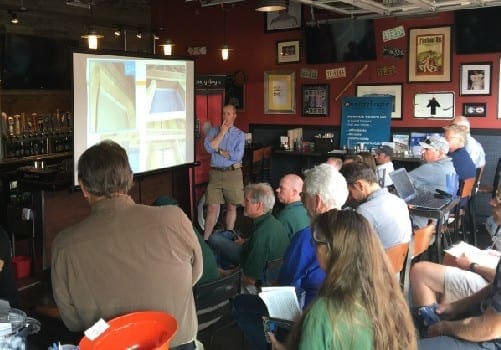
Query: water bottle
x=429 y=315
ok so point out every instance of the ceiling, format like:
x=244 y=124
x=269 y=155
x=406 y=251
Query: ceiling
x=381 y=8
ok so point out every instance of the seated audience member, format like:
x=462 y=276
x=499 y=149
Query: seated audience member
x=360 y=304
x=8 y=288
x=210 y=270
x=336 y=162
x=470 y=323
x=388 y=214
x=323 y=189
x=473 y=147
x=384 y=164
x=368 y=159
x=293 y=216
x=350 y=158
x=456 y=137
x=267 y=241
x=451 y=283
x=433 y=173
x=124 y=257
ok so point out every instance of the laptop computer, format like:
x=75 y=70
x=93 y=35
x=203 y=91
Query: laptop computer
x=407 y=192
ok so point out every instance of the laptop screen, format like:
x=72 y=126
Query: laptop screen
x=403 y=184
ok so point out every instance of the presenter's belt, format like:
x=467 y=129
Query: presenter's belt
x=232 y=167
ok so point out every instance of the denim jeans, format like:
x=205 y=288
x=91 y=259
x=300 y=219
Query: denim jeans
x=248 y=311
x=226 y=250
x=448 y=343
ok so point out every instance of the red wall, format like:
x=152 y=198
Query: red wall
x=254 y=52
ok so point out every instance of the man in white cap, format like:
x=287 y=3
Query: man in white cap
x=384 y=164
x=432 y=175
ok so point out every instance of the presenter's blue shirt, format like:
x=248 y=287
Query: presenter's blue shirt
x=233 y=142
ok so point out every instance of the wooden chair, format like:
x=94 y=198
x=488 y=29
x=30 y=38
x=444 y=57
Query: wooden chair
x=397 y=254
x=213 y=304
x=257 y=164
x=266 y=170
x=465 y=191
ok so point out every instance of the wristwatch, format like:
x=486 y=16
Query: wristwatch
x=472 y=266
x=219 y=151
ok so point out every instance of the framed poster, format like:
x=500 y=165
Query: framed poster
x=315 y=100
x=429 y=54
x=284 y=20
x=476 y=78
x=474 y=109
x=393 y=90
x=288 y=51
x=434 y=105
x=279 y=92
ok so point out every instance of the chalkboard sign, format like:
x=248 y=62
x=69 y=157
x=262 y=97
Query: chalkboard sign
x=365 y=121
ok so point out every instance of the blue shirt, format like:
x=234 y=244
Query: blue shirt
x=465 y=168
x=233 y=142
x=389 y=215
x=300 y=266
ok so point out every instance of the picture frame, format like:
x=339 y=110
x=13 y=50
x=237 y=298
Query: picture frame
x=288 y=51
x=499 y=93
x=475 y=78
x=278 y=21
x=474 y=109
x=279 y=92
x=434 y=105
x=315 y=100
x=430 y=54
x=394 y=90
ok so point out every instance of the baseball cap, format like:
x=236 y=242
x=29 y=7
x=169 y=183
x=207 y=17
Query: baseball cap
x=386 y=150
x=437 y=142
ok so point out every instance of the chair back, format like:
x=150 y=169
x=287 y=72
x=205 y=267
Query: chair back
x=271 y=270
x=422 y=239
x=466 y=187
x=397 y=254
x=257 y=164
x=212 y=301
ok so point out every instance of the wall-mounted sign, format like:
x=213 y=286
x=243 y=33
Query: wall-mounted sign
x=335 y=73
x=210 y=81
x=308 y=73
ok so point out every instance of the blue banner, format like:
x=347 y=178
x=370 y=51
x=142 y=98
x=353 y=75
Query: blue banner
x=365 y=121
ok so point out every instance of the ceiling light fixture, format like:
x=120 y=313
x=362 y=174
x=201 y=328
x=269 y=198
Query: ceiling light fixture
x=167 y=46
x=92 y=37
x=225 y=50
x=117 y=32
x=139 y=35
x=13 y=17
x=271 y=5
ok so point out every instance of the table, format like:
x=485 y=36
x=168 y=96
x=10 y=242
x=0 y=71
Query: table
x=438 y=214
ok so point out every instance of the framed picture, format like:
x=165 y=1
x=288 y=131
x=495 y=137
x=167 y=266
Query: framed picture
x=315 y=100
x=288 y=51
x=430 y=54
x=284 y=20
x=476 y=79
x=499 y=93
x=434 y=105
x=279 y=92
x=474 y=109
x=394 y=90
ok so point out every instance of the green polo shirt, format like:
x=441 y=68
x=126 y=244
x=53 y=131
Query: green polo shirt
x=320 y=332
x=294 y=218
x=268 y=241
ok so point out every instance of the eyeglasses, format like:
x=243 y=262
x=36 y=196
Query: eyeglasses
x=318 y=241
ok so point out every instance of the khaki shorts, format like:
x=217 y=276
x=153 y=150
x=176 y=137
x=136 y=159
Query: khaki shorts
x=460 y=284
x=225 y=187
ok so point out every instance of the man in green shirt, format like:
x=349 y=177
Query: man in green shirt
x=267 y=241
x=293 y=216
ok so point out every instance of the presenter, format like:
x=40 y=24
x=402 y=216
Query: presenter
x=226 y=145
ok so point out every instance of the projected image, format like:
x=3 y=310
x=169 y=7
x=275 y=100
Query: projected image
x=111 y=96
x=144 y=104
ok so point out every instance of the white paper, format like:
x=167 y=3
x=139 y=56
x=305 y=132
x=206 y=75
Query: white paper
x=97 y=329
x=281 y=302
x=488 y=257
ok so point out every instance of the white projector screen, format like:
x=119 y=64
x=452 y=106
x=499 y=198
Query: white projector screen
x=146 y=104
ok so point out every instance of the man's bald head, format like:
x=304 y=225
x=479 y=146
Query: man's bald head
x=289 y=189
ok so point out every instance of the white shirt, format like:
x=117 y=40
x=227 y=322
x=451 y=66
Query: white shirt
x=388 y=167
x=477 y=154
